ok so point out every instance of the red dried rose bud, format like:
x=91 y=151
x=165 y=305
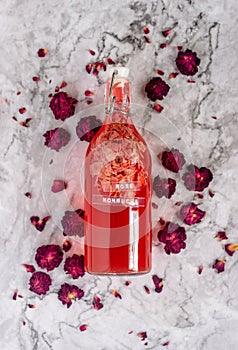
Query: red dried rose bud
x=29 y=268
x=22 y=110
x=75 y=266
x=142 y=335
x=56 y=138
x=39 y=223
x=49 y=256
x=221 y=235
x=91 y=52
x=42 y=52
x=73 y=223
x=190 y=214
x=62 y=105
x=97 y=305
x=197 y=179
x=231 y=248
x=88 y=127
x=164 y=187
x=187 y=62
x=67 y=246
x=219 y=265
x=68 y=292
x=146 y=30
x=165 y=33
x=40 y=282
x=158 y=108
x=158 y=282
x=200 y=269
x=173 y=160
x=156 y=89
x=174 y=237
x=36 y=79
x=116 y=294
x=58 y=185
x=83 y=327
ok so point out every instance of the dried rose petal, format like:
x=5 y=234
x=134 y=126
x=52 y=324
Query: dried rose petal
x=29 y=268
x=62 y=105
x=147 y=40
x=58 y=185
x=23 y=322
x=49 y=256
x=14 y=297
x=161 y=221
x=163 y=46
x=178 y=203
x=231 y=248
x=20 y=296
x=22 y=110
x=142 y=335
x=200 y=268
x=164 y=187
x=97 y=305
x=179 y=48
x=154 y=205
x=28 y=195
x=196 y=179
x=42 y=52
x=173 y=75
x=191 y=81
x=158 y=282
x=14 y=118
x=116 y=294
x=187 y=62
x=89 y=67
x=95 y=72
x=174 y=237
x=36 y=79
x=160 y=72
x=56 y=138
x=39 y=223
x=146 y=30
x=156 y=89
x=214 y=117
x=68 y=292
x=221 y=235
x=74 y=266
x=83 y=327
x=158 y=107
x=191 y=214
x=91 y=52
x=88 y=127
x=57 y=89
x=110 y=61
x=130 y=332
x=166 y=32
x=147 y=289
x=127 y=283
x=88 y=93
x=40 y=282
x=198 y=196
x=166 y=343
x=18 y=92
x=211 y=194
x=32 y=306
x=219 y=265
x=73 y=223
x=173 y=160
x=26 y=122
x=67 y=246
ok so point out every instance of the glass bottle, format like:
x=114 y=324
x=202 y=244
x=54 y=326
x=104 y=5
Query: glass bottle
x=118 y=189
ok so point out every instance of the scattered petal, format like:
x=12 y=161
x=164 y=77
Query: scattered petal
x=22 y=110
x=173 y=75
x=14 y=297
x=68 y=292
x=97 y=305
x=179 y=48
x=83 y=327
x=158 y=107
x=200 y=268
x=211 y=194
x=231 y=248
x=219 y=265
x=160 y=72
x=187 y=62
x=166 y=32
x=63 y=84
x=198 y=196
x=173 y=160
x=174 y=237
x=49 y=256
x=36 y=79
x=197 y=179
x=39 y=223
x=75 y=266
x=158 y=282
x=42 y=52
x=18 y=92
x=191 y=81
x=20 y=296
x=142 y=335
x=146 y=30
x=156 y=89
x=147 y=40
x=214 y=117
x=221 y=235
x=40 y=282
x=29 y=268
x=73 y=223
x=166 y=343
x=67 y=246
x=91 y=52
x=116 y=294
x=14 y=118
x=154 y=205
x=28 y=195
x=164 y=187
x=32 y=306
x=88 y=127
x=147 y=289
x=88 y=101
x=26 y=122
x=178 y=203
x=62 y=105
x=130 y=332
x=23 y=322
x=88 y=93
x=56 y=138
x=110 y=61
x=127 y=283
x=58 y=185
x=161 y=221
x=163 y=46
x=89 y=67
x=191 y=214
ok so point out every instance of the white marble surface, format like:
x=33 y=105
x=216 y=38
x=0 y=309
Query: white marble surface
x=196 y=312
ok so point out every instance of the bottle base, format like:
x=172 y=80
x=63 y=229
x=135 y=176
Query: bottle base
x=116 y=273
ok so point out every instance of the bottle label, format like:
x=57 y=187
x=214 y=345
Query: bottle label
x=131 y=202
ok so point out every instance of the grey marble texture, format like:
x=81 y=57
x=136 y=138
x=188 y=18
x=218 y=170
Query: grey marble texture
x=195 y=312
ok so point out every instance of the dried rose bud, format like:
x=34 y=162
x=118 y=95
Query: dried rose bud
x=83 y=327
x=158 y=282
x=42 y=52
x=88 y=127
x=197 y=179
x=68 y=292
x=62 y=105
x=156 y=89
x=75 y=266
x=231 y=248
x=49 y=256
x=191 y=214
x=36 y=79
x=40 y=282
x=174 y=237
x=146 y=30
x=56 y=138
x=39 y=223
x=158 y=108
x=73 y=223
x=164 y=187
x=173 y=160
x=58 y=185
x=187 y=62
x=22 y=110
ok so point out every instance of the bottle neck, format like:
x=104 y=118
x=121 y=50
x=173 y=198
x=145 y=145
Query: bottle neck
x=118 y=104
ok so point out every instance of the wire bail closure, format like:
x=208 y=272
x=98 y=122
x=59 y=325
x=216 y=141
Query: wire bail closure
x=111 y=99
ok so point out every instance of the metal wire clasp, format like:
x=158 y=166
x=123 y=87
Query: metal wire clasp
x=111 y=99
